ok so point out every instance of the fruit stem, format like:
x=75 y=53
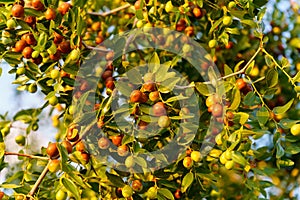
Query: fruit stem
x=111 y=11
x=25 y=155
x=39 y=181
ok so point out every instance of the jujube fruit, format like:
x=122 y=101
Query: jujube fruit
x=129 y=162
x=27 y=51
x=85 y=156
x=196 y=156
x=154 y=96
x=64 y=7
x=20 y=45
x=295 y=130
x=66 y=144
x=55 y=73
x=64 y=47
x=164 y=121
x=227 y=20
x=50 y=14
x=136 y=96
x=20 y=140
x=53 y=100
x=159 y=109
x=137 y=185
x=122 y=150
x=61 y=195
x=52 y=151
x=54 y=165
x=217 y=110
x=187 y=162
x=80 y=146
x=117 y=139
x=37 y=5
x=73 y=132
x=127 y=191
x=103 y=143
x=17 y=10
x=152 y=193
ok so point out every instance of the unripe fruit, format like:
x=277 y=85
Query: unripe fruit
x=53 y=100
x=20 y=45
x=169 y=6
x=137 y=185
x=196 y=156
x=35 y=54
x=227 y=20
x=67 y=145
x=54 y=165
x=71 y=110
x=154 y=96
x=27 y=51
x=127 y=191
x=212 y=43
x=136 y=96
x=73 y=133
x=32 y=88
x=229 y=164
x=61 y=195
x=11 y=23
x=55 y=73
x=295 y=130
x=117 y=139
x=240 y=83
x=158 y=109
x=75 y=54
x=52 y=151
x=231 y=4
x=20 y=140
x=64 y=7
x=37 y=5
x=21 y=70
x=17 y=10
x=50 y=14
x=217 y=110
x=187 y=162
x=129 y=162
x=80 y=146
x=103 y=143
x=164 y=122
x=122 y=150
x=152 y=193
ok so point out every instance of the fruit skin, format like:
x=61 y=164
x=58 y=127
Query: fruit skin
x=64 y=47
x=117 y=139
x=61 y=195
x=227 y=20
x=21 y=70
x=53 y=101
x=27 y=51
x=217 y=110
x=54 y=165
x=73 y=133
x=103 y=143
x=181 y=25
x=241 y=84
x=50 y=14
x=196 y=156
x=52 y=151
x=212 y=43
x=158 y=109
x=164 y=122
x=154 y=96
x=187 y=162
x=17 y=10
x=229 y=164
x=1 y=195
x=127 y=191
x=37 y=5
x=20 y=140
x=55 y=73
x=20 y=45
x=85 y=156
x=67 y=145
x=152 y=193
x=80 y=146
x=197 y=12
x=122 y=150
x=11 y=23
x=137 y=185
x=178 y=194
x=64 y=7
x=136 y=96
x=129 y=162
x=32 y=88
x=295 y=130
x=149 y=87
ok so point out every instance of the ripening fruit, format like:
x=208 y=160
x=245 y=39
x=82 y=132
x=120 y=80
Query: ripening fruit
x=67 y=145
x=164 y=121
x=30 y=20
x=21 y=70
x=117 y=139
x=137 y=185
x=52 y=151
x=295 y=130
x=169 y=6
x=20 y=140
x=54 y=165
x=149 y=86
x=181 y=25
x=64 y=47
x=27 y=51
x=53 y=101
x=196 y=156
x=103 y=143
x=50 y=14
x=17 y=10
x=177 y=194
x=158 y=109
x=30 y=40
x=55 y=73
x=127 y=191
x=61 y=195
x=63 y=8
x=240 y=83
x=227 y=20
x=32 y=88
x=1 y=194
x=136 y=96
x=210 y=100
x=154 y=96
x=187 y=162
x=129 y=162
x=212 y=43
x=11 y=23
x=197 y=12
x=229 y=164
x=217 y=110
x=37 y=5
x=85 y=156
x=152 y=193
x=20 y=45
x=122 y=150
x=80 y=146
x=57 y=38
x=73 y=132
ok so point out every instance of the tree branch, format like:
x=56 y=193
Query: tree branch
x=39 y=181
x=111 y=11
x=25 y=155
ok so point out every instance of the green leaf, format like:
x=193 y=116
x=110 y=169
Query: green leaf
x=272 y=78
x=0 y=71
x=9 y=186
x=187 y=181
x=140 y=161
x=123 y=88
x=166 y=193
x=238 y=158
x=2 y=147
x=204 y=89
x=292 y=149
x=250 y=67
x=215 y=25
x=279 y=150
x=154 y=63
x=70 y=186
x=249 y=22
x=268 y=60
x=285 y=62
x=139 y=14
x=160 y=74
x=262 y=116
x=134 y=76
x=243 y=117
x=176 y=98
x=297 y=77
x=282 y=109
x=168 y=85
x=251 y=99
x=115 y=180
x=236 y=96
x=287 y=123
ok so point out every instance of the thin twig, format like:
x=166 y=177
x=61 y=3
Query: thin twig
x=25 y=155
x=111 y=11
x=95 y=48
x=39 y=181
